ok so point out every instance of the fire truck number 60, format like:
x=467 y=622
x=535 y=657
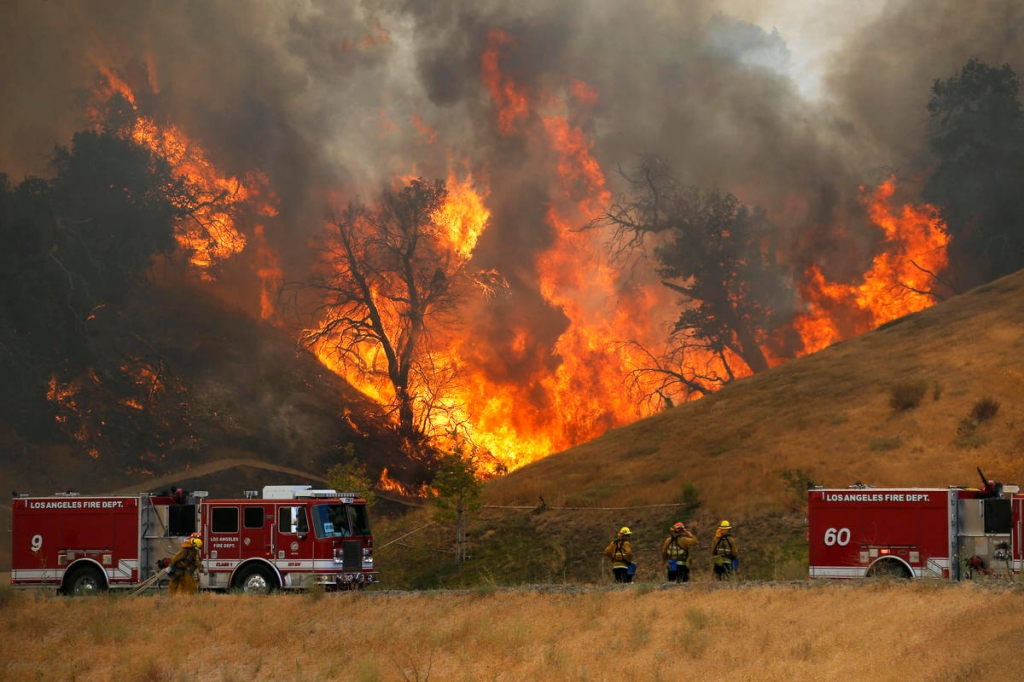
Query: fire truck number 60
x=839 y=537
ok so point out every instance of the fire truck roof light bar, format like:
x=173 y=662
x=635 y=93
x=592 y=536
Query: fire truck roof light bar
x=296 y=492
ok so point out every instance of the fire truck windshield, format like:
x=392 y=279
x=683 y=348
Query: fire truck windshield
x=340 y=520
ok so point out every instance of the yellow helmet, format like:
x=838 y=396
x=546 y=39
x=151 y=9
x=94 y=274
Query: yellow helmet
x=624 y=531
x=197 y=543
x=725 y=524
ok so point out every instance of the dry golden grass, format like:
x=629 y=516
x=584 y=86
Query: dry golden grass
x=880 y=631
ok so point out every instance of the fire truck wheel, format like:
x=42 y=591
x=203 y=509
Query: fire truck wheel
x=84 y=581
x=890 y=569
x=256 y=580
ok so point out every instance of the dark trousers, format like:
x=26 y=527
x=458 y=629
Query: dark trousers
x=680 y=575
x=723 y=572
x=622 y=575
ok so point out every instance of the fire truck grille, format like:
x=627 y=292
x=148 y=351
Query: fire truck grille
x=352 y=555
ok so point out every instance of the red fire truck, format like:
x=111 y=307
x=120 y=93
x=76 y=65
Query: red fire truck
x=292 y=537
x=950 y=533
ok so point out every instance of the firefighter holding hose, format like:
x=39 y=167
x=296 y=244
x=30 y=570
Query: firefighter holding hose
x=184 y=567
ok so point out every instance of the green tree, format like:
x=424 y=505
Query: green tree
x=720 y=256
x=456 y=492
x=977 y=136
x=351 y=477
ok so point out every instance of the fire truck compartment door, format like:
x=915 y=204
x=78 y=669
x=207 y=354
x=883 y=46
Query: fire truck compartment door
x=257 y=530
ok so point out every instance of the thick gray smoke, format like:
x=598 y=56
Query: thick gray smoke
x=331 y=99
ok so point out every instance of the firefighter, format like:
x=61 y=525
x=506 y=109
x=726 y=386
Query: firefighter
x=675 y=552
x=185 y=566
x=621 y=554
x=724 y=554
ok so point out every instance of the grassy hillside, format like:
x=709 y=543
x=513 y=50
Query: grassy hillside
x=746 y=453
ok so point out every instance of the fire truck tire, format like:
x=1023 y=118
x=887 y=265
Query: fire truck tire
x=85 y=580
x=888 y=568
x=256 y=580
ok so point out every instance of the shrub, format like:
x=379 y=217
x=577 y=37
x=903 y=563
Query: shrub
x=690 y=496
x=907 y=395
x=885 y=444
x=966 y=427
x=797 y=482
x=972 y=440
x=984 y=409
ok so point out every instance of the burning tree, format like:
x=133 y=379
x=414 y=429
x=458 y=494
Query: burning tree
x=719 y=255
x=389 y=283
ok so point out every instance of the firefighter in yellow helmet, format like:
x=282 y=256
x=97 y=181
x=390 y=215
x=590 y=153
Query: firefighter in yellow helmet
x=621 y=554
x=675 y=552
x=184 y=567
x=724 y=552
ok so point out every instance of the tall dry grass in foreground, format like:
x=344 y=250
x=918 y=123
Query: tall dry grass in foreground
x=880 y=631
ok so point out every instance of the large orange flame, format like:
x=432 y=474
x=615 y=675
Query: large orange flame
x=211 y=234
x=898 y=283
x=576 y=389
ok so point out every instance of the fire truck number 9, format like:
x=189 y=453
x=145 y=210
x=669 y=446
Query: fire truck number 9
x=37 y=542
x=839 y=537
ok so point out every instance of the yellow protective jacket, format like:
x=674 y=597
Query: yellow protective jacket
x=186 y=560
x=620 y=552
x=724 y=549
x=185 y=563
x=677 y=546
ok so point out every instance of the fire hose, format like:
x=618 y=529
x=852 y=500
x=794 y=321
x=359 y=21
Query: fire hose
x=149 y=582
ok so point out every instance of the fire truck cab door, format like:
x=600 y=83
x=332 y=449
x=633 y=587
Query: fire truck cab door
x=294 y=542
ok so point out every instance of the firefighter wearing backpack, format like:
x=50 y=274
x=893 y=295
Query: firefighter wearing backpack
x=675 y=552
x=621 y=554
x=724 y=552
x=184 y=566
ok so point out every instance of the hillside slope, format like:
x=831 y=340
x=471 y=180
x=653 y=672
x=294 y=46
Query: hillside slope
x=747 y=452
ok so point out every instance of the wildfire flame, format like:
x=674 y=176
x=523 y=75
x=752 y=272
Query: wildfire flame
x=548 y=398
x=914 y=249
x=388 y=484
x=584 y=394
x=211 y=233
